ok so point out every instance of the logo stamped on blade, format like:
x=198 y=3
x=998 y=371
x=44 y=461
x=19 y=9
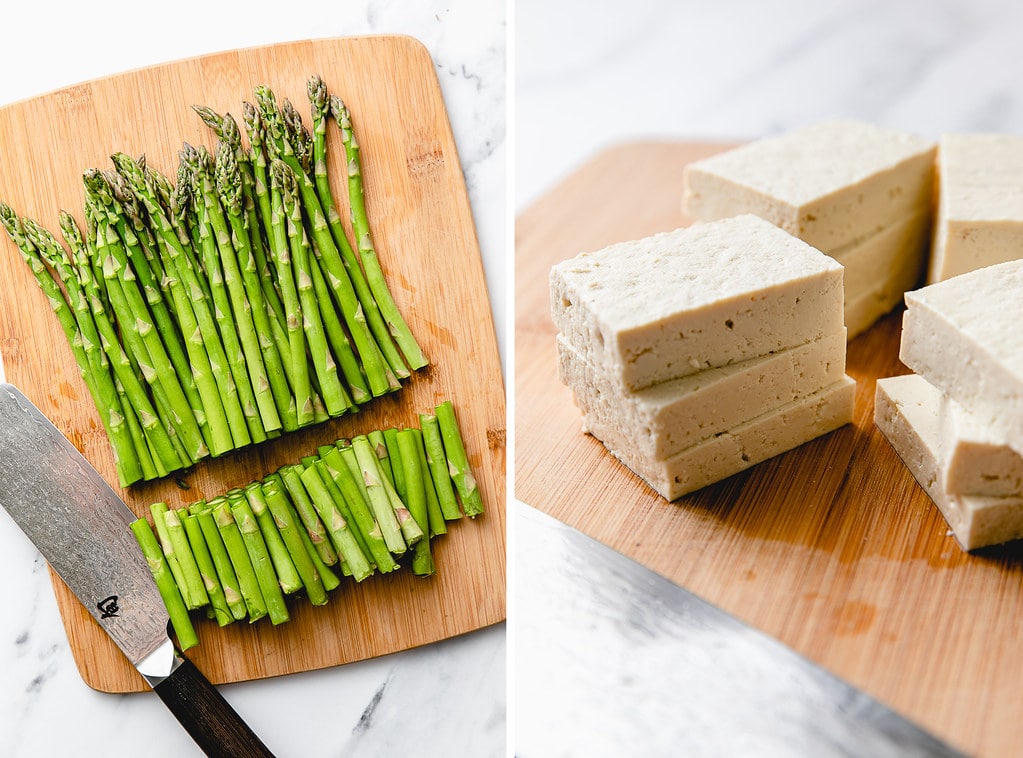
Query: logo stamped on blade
x=108 y=607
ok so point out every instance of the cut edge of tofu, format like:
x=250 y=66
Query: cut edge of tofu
x=738 y=449
x=976 y=521
x=960 y=367
x=666 y=418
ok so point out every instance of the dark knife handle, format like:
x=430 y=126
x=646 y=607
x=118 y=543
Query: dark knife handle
x=206 y=716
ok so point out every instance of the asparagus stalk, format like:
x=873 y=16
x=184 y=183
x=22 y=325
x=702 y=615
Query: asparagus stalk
x=461 y=473
x=156 y=433
x=280 y=253
x=344 y=539
x=207 y=569
x=251 y=593
x=262 y=566
x=222 y=310
x=438 y=524
x=229 y=187
x=166 y=584
x=383 y=509
x=422 y=559
x=337 y=339
x=240 y=305
x=358 y=504
x=331 y=390
x=133 y=309
x=197 y=596
x=320 y=106
x=221 y=559
x=84 y=343
x=394 y=453
x=436 y=459
x=364 y=240
x=160 y=525
x=290 y=529
x=284 y=566
x=342 y=505
x=291 y=474
x=380 y=377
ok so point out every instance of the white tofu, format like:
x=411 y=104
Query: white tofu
x=913 y=428
x=891 y=284
x=668 y=417
x=827 y=184
x=882 y=256
x=670 y=305
x=730 y=452
x=980 y=203
x=973 y=458
x=963 y=336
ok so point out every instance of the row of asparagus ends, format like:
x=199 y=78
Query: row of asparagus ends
x=360 y=506
x=227 y=306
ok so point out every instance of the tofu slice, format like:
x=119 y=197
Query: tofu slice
x=890 y=285
x=913 y=428
x=676 y=303
x=668 y=417
x=980 y=203
x=882 y=257
x=827 y=184
x=973 y=457
x=963 y=336
x=730 y=452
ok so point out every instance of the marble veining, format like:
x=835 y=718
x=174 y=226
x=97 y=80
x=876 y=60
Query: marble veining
x=443 y=699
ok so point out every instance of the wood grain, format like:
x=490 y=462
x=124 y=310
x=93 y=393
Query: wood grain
x=424 y=232
x=832 y=548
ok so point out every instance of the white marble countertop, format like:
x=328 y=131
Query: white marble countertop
x=591 y=75
x=400 y=703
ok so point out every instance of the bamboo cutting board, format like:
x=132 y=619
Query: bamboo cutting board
x=419 y=209
x=832 y=548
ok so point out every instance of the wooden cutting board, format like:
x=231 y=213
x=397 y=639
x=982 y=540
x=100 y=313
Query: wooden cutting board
x=832 y=548
x=426 y=239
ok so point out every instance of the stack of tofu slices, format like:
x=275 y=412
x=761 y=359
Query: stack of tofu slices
x=855 y=191
x=957 y=422
x=695 y=354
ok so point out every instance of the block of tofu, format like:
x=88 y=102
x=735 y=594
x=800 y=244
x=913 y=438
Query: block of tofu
x=980 y=203
x=708 y=295
x=827 y=184
x=913 y=429
x=963 y=336
x=882 y=256
x=668 y=417
x=973 y=458
x=730 y=452
x=890 y=285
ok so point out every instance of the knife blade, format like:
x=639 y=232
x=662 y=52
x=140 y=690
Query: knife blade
x=81 y=526
x=615 y=659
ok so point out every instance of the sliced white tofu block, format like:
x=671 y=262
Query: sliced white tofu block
x=980 y=203
x=676 y=303
x=963 y=335
x=668 y=417
x=827 y=184
x=730 y=452
x=913 y=428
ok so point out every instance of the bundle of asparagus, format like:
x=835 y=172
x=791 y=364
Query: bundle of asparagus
x=357 y=507
x=228 y=306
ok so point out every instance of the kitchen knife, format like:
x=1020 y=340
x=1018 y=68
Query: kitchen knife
x=614 y=659
x=81 y=527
